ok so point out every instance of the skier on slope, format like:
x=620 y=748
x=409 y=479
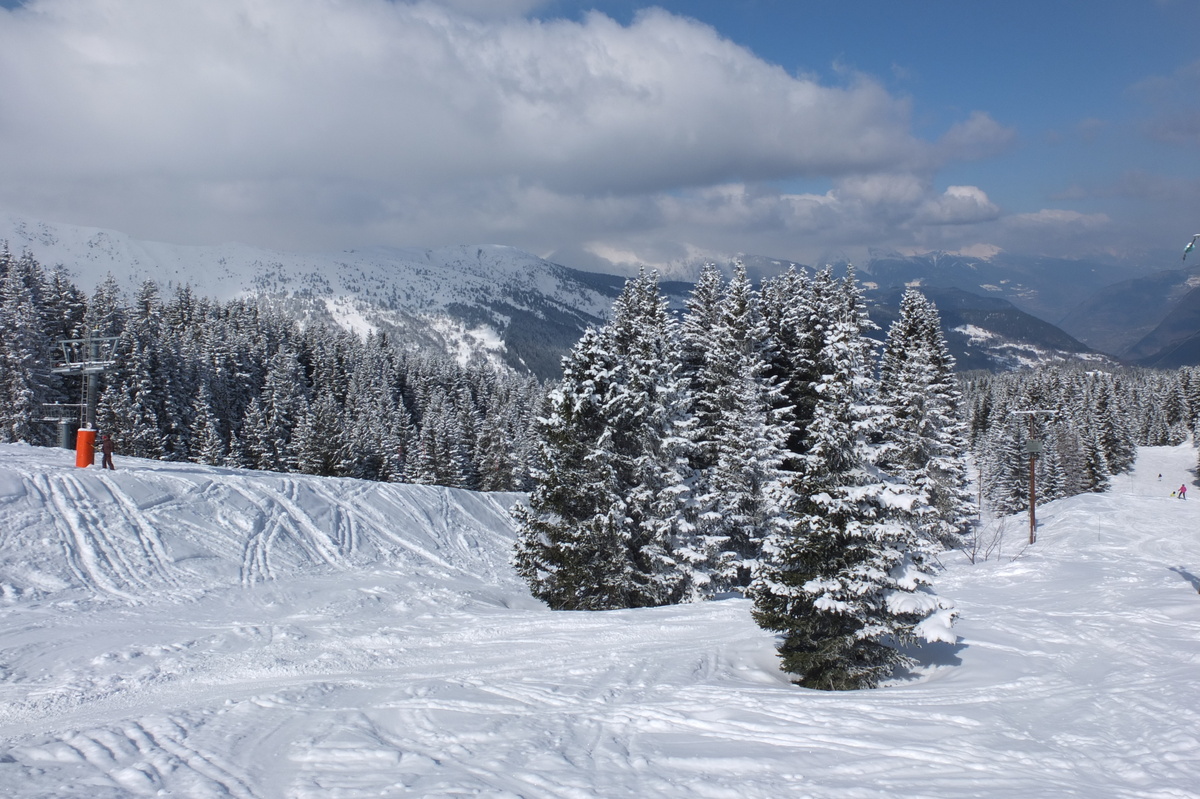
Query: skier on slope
x=1182 y=491
x=106 y=447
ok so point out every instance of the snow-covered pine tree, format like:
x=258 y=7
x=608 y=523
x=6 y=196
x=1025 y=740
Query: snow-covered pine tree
x=1050 y=470
x=606 y=524
x=105 y=314
x=282 y=404
x=369 y=450
x=179 y=379
x=1004 y=468
x=740 y=487
x=698 y=365
x=793 y=312
x=850 y=580
x=466 y=439
x=747 y=495
x=451 y=456
x=1109 y=417
x=926 y=443
x=132 y=404
x=502 y=444
x=25 y=377
x=64 y=308
x=648 y=422
x=572 y=546
x=317 y=440
x=1175 y=406
x=208 y=442
x=1068 y=448
x=1094 y=471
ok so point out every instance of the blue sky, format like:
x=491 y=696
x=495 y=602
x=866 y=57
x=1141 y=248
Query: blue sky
x=608 y=134
x=1072 y=78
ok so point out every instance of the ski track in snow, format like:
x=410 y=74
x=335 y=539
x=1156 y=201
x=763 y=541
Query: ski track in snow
x=180 y=630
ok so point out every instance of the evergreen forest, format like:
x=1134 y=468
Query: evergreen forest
x=761 y=442
x=238 y=385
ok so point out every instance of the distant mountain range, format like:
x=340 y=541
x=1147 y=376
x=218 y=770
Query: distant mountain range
x=1152 y=320
x=1131 y=312
x=499 y=304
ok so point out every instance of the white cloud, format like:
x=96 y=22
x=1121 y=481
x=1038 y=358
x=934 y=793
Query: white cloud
x=491 y=9
x=1058 y=218
x=977 y=137
x=882 y=189
x=958 y=205
x=325 y=123
x=1173 y=116
x=979 y=250
x=377 y=90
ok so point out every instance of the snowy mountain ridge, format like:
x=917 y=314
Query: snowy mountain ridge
x=491 y=303
x=174 y=629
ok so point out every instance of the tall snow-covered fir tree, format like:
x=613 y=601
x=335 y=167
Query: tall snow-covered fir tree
x=282 y=404
x=926 y=439
x=572 y=545
x=848 y=583
x=607 y=524
x=209 y=444
x=132 y=404
x=740 y=438
x=794 y=308
x=1110 y=417
x=25 y=377
x=701 y=318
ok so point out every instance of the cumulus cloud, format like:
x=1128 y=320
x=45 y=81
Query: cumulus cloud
x=491 y=9
x=373 y=89
x=324 y=123
x=1055 y=232
x=977 y=137
x=1058 y=218
x=958 y=205
x=1174 y=118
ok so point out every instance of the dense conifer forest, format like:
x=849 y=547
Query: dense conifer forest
x=759 y=442
x=750 y=447
x=238 y=385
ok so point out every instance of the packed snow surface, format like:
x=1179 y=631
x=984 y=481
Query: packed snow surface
x=190 y=631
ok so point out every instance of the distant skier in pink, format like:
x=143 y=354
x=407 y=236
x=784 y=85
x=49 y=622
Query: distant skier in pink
x=1183 y=492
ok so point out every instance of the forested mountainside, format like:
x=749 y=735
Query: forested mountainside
x=238 y=383
x=232 y=383
x=500 y=305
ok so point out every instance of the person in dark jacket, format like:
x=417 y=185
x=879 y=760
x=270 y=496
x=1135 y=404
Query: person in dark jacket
x=106 y=447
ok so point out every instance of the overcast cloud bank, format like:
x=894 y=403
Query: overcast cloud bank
x=320 y=124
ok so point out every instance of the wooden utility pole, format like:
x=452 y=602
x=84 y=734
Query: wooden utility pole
x=1034 y=447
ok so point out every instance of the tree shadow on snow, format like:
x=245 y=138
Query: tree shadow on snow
x=1187 y=575
x=929 y=658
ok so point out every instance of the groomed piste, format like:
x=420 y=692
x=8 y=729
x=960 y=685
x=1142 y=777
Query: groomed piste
x=190 y=631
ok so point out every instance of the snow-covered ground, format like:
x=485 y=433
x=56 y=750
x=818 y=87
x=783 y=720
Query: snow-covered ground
x=188 y=631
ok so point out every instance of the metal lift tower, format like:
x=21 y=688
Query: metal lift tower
x=86 y=358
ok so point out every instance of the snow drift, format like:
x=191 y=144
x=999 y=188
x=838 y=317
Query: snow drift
x=192 y=631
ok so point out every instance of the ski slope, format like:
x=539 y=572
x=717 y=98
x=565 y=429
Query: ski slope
x=190 y=631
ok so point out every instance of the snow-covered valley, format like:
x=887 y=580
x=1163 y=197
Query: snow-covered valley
x=193 y=631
